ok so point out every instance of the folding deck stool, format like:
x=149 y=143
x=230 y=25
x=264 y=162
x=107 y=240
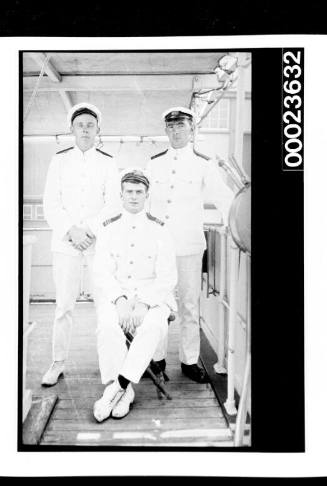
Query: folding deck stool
x=153 y=370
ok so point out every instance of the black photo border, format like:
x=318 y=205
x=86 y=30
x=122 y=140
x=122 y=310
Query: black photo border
x=277 y=294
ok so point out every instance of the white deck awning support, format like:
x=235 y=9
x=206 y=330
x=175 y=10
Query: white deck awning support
x=121 y=83
x=52 y=73
x=239 y=115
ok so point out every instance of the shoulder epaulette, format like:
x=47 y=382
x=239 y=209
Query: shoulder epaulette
x=156 y=220
x=158 y=155
x=201 y=155
x=65 y=150
x=111 y=220
x=104 y=153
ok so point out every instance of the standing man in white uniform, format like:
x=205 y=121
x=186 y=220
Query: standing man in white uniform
x=179 y=178
x=82 y=189
x=135 y=275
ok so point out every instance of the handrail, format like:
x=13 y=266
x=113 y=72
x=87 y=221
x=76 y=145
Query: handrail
x=36 y=229
x=219 y=366
x=230 y=302
x=241 y=413
x=230 y=401
x=222 y=284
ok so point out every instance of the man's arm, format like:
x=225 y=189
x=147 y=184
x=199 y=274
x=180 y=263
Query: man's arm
x=55 y=214
x=106 y=286
x=218 y=191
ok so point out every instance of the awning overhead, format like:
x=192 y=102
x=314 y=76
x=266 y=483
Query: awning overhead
x=131 y=89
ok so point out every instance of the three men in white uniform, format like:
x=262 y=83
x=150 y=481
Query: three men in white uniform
x=135 y=275
x=180 y=177
x=82 y=189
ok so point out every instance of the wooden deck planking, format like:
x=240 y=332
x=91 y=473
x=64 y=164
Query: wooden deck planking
x=84 y=402
x=192 y=418
x=150 y=423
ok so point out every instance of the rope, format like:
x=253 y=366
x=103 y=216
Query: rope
x=45 y=62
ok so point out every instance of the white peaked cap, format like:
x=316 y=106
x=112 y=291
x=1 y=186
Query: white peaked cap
x=80 y=106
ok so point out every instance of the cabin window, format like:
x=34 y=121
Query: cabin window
x=39 y=215
x=218 y=118
x=33 y=212
x=28 y=212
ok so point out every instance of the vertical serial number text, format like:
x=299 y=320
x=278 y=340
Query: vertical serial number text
x=293 y=109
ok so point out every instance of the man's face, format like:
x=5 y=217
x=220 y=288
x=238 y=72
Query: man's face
x=85 y=129
x=179 y=132
x=134 y=196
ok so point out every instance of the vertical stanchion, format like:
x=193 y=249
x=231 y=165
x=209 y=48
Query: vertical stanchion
x=242 y=410
x=230 y=402
x=208 y=261
x=28 y=242
x=219 y=366
x=239 y=115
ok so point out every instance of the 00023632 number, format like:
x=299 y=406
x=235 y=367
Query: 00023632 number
x=293 y=109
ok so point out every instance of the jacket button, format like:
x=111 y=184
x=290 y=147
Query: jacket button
x=168 y=200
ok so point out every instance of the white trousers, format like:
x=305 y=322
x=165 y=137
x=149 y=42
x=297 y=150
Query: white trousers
x=67 y=279
x=114 y=356
x=189 y=269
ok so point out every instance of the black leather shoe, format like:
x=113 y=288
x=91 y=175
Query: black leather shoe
x=158 y=368
x=195 y=373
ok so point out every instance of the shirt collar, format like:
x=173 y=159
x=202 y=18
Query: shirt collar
x=86 y=153
x=181 y=151
x=133 y=217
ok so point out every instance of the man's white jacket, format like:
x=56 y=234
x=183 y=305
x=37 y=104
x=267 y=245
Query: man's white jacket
x=82 y=189
x=181 y=181
x=135 y=257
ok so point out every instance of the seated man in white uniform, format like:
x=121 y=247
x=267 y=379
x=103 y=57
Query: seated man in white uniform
x=181 y=179
x=135 y=275
x=82 y=189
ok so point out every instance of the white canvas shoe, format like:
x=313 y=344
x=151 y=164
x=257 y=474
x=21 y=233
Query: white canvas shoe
x=103 y=407
x=122 y=407
x=51 y=377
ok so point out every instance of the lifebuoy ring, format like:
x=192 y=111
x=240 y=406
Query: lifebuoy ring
x=240 y=219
